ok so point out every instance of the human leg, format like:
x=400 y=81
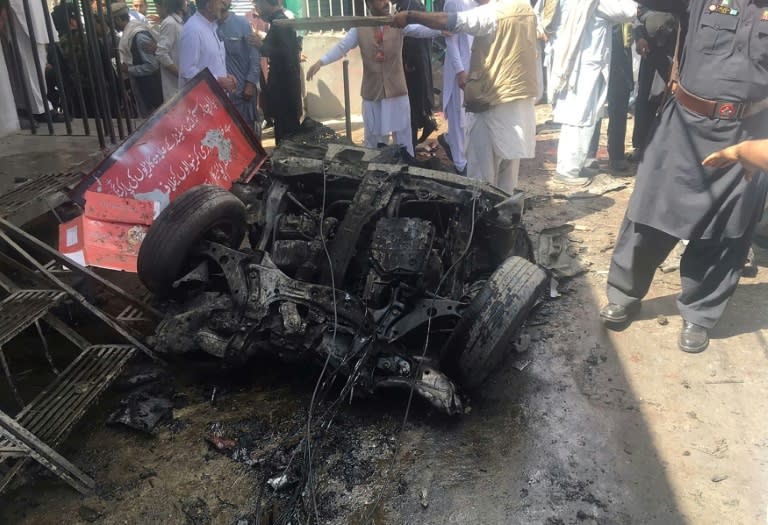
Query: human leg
x=455 y=137
x=709 y=273
x=508 y=172
x=638 y=252
x=572 y=150
x=481 y=160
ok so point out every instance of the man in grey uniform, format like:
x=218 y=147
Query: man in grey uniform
x=719 y=101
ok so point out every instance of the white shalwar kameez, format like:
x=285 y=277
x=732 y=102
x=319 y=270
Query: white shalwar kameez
x=25 y=47
x=9 y=122
x=388 y=115
x=499 y=137
x=457 y=53
x=579 y=105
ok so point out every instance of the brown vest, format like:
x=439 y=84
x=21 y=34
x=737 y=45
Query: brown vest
x=502 y=67
x=388 y=73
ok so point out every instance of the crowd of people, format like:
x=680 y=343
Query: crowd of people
x=152 y=56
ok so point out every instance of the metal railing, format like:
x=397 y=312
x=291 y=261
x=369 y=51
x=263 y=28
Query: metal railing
x=83 y=82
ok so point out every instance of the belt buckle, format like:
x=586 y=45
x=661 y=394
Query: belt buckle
x=729 y=110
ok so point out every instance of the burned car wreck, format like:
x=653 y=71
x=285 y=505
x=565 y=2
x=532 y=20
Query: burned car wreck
x=390 y=275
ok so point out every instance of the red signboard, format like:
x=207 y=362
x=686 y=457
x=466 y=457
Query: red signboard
x=197 y=137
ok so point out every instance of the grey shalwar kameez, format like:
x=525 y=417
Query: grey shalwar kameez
x=725 y=59
x=243 y=62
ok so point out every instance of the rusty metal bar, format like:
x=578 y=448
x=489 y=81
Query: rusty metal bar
x=9 y=378
x=69 y=263
x=20 y=67
x=90 y=63
x=38 y=67
x=45 y=455
x=57 y=65
x=347 y=105
x=74 y=293
x=103 y=79
x=46 y=350
x=76 y=66
x=118 y=90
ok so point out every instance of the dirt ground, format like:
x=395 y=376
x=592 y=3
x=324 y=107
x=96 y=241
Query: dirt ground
x=584 y=426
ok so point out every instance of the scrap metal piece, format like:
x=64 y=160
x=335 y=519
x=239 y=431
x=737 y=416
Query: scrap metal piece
x=333 y=23
x=373 y=195
x=552 y=252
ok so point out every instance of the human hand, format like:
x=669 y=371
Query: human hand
x=228 y=83
x=255 y=40
x=642 y=47
x=150 y=47
x=461 y=79
x=400 y=19
x=124 y=67
x=728 y=157
x=249 y=90
x=313 y=69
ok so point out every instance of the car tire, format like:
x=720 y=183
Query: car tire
x=483 y=336
x=194 y=216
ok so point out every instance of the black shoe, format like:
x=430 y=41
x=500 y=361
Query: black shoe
x=693 y=338
x=613 y=313
x=56 y=117
x=444 y=144
x=429 y=128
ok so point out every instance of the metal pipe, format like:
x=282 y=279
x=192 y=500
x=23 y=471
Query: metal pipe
x=54 y=50
x=347 y=108
x=108 y=33
x=76 y=67
x=80 y=298
x=38 y=67
x=90 y=56
x=20 y=71
x=117 y=90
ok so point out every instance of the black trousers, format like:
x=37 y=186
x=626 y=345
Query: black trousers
x=709 y=270
x=619 y=89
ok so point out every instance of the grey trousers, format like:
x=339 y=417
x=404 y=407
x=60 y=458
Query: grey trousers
x=709 y=270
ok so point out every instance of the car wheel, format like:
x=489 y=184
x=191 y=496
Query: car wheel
x=203 y=212
x=485 y=332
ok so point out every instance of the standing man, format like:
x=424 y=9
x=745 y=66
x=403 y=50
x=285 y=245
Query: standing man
x=242 y=63
x=201 y=47
x=172 y=15
x=720 y=100
x=386 y=107
x=27 y=45
x=417 y=63
x=501 y=87
x=142 y=67
x=455 y=74
x=581 y=72
x=282 y=94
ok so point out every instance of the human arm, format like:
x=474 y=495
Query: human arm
x=478 y=21
x=189 y=54
x=346 y=44
x=752 y=154
x=452 y=53
x=254 y=71
x=169 y=35
x=149 y=61
x=419 y=31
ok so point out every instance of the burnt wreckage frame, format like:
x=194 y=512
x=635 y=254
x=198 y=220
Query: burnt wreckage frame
x=392 y=275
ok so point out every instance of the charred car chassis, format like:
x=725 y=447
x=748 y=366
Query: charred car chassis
x=393 y=276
